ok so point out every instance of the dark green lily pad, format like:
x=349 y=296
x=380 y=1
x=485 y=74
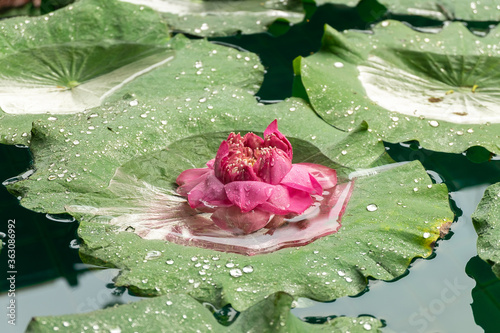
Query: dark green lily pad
x=209 y=18
x=440 y=89
x=486 y=220
x=181 y=313
x=73 y=59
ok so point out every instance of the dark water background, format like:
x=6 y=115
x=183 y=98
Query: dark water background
x=454 y=291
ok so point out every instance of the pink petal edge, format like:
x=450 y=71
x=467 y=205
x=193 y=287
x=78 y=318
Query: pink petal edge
x=299 y=178
x=285 y=200
x=188 y=179
x=279 y=140
x=209 y=194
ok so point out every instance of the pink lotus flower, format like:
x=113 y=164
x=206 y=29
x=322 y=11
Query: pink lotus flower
x=252 y=184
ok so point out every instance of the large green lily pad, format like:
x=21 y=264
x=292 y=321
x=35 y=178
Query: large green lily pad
x=181 y=313
x=486 y=220
x=392 y=217
x=209 y=18
x=443 y=10
x=440 y=89
x=73 y=59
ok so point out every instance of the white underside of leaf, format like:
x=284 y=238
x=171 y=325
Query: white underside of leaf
x=137 y=207
x=400 y=91
x=214 y=8
x=23 y=97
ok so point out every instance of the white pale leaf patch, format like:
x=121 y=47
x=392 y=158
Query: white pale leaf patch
x=398 y=90
x=442 y=10
x=42 y=95
x=219 y=8
x=153 y=212
x=223 y=17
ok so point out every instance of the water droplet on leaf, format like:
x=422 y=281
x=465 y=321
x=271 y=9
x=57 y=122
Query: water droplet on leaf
x=248 y=269
x=151 y=255
x=236 y=272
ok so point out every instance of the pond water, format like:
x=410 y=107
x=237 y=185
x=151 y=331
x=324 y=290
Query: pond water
x=434 y=296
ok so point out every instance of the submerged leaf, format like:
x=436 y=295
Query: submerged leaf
x=209 y=18
x=439 y=89
x=484 y=295
x=486 y=219
x=182 y=313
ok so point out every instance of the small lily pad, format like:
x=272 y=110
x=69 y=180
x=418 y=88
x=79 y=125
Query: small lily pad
x=442 y=10
x=209 y=18
x=439 y=89
x=486 y=219
x=182 y=313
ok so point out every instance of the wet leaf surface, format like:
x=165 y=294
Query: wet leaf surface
x=182 y=313
x=73 y=59
x=438 y=89
x=485 y=294
x=486 y=219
